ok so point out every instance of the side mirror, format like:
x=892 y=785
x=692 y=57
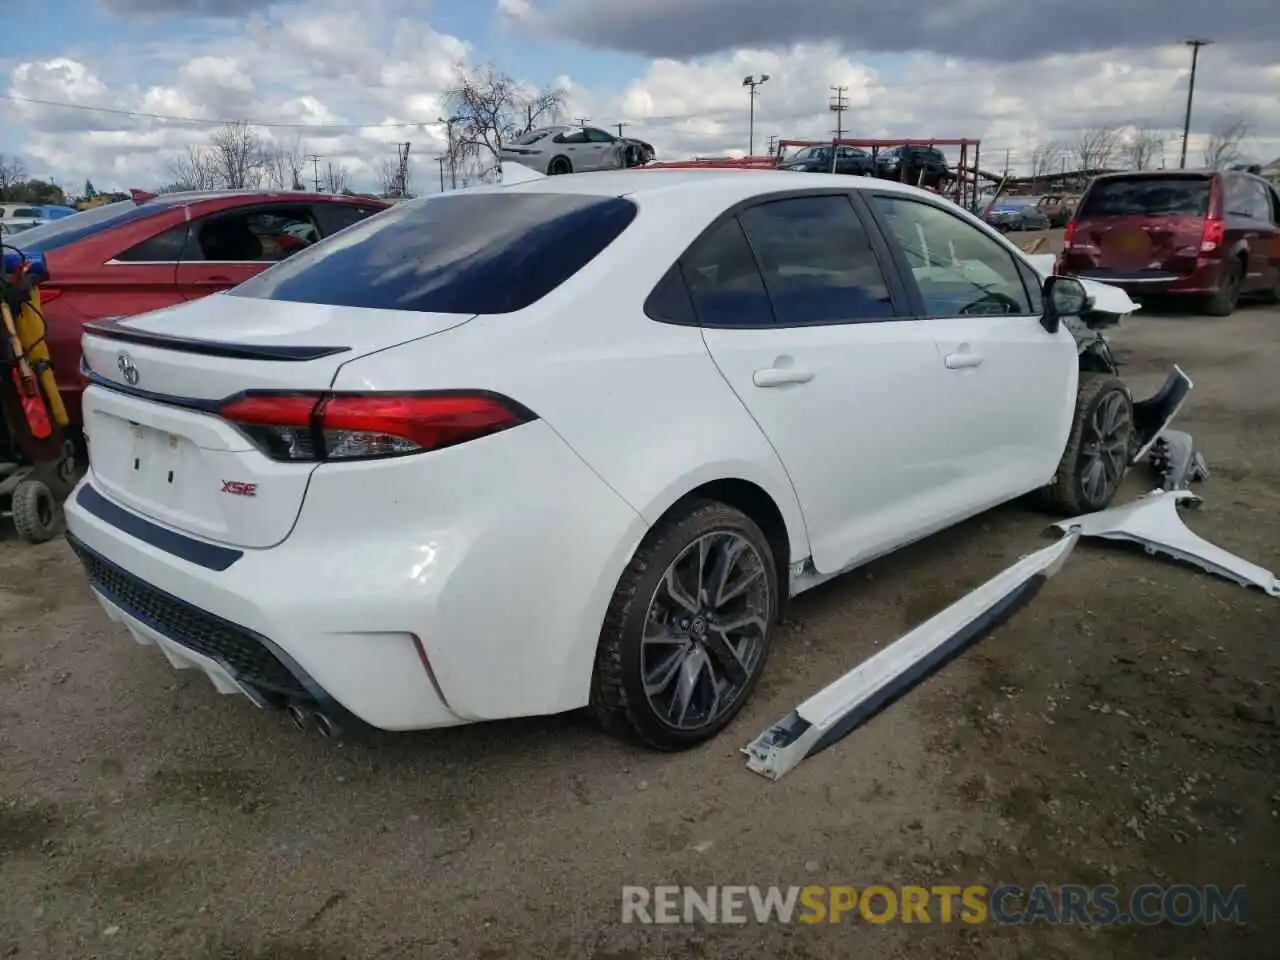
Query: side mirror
x=1063 y=297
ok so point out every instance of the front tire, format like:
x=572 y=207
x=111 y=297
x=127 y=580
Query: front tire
x=687 y=634
x=1096 y=457
x=558 y=166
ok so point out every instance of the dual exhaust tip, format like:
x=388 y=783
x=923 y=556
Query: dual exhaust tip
x=307 y=718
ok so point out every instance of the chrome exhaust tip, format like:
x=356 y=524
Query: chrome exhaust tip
x=325 y=725
x=299 y=716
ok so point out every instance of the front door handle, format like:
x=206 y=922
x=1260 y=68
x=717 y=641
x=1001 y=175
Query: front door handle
x=781 y=376
x=962 y=361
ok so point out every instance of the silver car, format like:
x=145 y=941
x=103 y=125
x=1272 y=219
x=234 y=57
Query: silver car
x=565 y=149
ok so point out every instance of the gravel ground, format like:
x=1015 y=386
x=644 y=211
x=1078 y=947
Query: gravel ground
x=1122 y=729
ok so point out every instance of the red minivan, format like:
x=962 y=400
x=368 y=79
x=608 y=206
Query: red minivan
x=1209 y=234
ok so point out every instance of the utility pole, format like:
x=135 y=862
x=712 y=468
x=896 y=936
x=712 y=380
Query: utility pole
x=1007 y=151
x=315 y=166
x=620 y=124
x=440 y=160
x=839 y=104
x=773 y=144
x=453 y=160
x=1195 y=45
x=402 y=170
x=752 y=81
x=582 y=121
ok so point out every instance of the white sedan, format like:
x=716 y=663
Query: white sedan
x=573 y=442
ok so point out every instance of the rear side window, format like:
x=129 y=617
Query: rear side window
x=164 y=247
x=1162 y=195
x=29 y=212
x=724 y=281
x=480 y=253
x=817 y=261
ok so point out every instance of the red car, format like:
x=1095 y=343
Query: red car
x=1212 y=234
x=155 y=251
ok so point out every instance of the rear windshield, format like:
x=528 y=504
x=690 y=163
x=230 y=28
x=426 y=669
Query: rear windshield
x=66 y=230
x=457 y=253
x=1147 y=196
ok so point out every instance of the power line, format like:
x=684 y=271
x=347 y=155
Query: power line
x=141 y=115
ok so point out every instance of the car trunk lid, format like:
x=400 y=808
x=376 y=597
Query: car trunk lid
x=158 y=445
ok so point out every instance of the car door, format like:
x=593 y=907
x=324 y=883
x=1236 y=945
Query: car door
x=573 y=144
x=228 y=247
x=601 y=150
x=1011 y=385
x=811 y=332
x=1273 y=252
x=1263 y=269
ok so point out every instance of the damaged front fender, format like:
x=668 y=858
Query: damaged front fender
x=1153 y=521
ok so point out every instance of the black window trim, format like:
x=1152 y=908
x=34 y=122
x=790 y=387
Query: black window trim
x=904 y=267
x=187 y=225
x=889 y=267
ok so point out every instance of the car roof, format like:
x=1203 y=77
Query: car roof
x=687 y=185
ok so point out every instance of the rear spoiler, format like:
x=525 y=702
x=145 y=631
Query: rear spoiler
x=114 y=330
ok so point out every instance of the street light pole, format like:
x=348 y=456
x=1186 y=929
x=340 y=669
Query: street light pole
x=440 y=162
x=752 y=81
x=1195 y=46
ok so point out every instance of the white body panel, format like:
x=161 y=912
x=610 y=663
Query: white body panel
x=500 y=555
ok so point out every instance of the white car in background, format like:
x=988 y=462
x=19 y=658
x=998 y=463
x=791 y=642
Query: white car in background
x=11 y=226
x=575 y=441
x=563 y=149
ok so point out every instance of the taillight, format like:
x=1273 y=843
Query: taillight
x=1070 y=235
x=48 y=294
x=310 y=427
x=1215 y=232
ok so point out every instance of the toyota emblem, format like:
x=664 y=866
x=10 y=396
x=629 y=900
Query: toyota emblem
x=124 y=363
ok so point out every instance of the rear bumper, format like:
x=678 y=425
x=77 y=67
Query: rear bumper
x=1204 y=279
x=407 y=597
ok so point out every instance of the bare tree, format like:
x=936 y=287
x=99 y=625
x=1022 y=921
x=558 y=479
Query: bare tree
x=283 y=164
x=1143 y=148
x=334 y=179
x=12 y=173
x=1097 y=148
x=1223 y=146
x=1046 y=158
x=193 y=170
x=389 y=176
x=238 y=156
x=494 y=109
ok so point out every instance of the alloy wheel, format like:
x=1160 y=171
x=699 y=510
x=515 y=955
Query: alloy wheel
x=705 y=630
x=1105 y=452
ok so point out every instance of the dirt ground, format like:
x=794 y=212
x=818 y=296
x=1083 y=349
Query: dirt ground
x=1122 y=729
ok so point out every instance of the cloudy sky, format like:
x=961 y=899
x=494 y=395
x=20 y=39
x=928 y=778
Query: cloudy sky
x=354 y=77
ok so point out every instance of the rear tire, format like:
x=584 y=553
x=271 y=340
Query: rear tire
x=1096 y=457
x=657 y=631
x=1222 y=302
x=559 y=166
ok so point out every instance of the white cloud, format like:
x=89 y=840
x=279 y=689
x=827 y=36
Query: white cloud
x=369 y=63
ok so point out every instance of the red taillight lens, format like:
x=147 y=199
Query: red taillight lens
x=1070 y=235
x=348 y=426
x=48 y=294
x=1215 y=232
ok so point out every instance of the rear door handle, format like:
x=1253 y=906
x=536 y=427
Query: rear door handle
x=781 y=376
x=962 y=361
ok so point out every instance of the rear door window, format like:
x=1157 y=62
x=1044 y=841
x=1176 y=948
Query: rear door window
x=1163 y=195
x=817 y=261
x=484 y=253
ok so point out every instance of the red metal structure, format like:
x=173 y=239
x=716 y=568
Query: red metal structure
x=965 y=190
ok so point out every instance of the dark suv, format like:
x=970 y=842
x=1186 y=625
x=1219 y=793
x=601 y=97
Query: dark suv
x=923 y=166
x=1211 y=234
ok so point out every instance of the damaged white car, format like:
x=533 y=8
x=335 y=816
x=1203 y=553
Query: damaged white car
x=574 y=441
